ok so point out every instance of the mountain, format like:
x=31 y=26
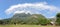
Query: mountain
x=22 y=15
x=24 y=18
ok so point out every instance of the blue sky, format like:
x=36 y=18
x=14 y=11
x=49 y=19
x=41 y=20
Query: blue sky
x=6 y=4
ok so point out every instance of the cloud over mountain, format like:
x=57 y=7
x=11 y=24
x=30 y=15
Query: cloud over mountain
x=34 y=8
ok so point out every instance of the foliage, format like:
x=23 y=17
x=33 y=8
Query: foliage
x=58 y=18
x=27 y=19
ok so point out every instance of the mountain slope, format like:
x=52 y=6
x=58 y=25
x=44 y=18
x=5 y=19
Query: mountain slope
x=22 y=18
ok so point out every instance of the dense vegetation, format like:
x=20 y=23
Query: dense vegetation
x=58 y=19
x=31 y=19
x=23 y=18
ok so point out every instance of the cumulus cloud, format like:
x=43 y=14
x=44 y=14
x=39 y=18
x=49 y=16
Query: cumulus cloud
x=34 y=8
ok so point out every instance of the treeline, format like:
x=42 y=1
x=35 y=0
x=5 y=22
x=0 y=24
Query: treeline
x=34 y=19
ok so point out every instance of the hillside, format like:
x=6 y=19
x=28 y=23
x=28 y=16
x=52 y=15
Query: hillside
x=22 y=18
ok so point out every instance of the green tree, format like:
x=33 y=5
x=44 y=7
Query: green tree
x=42 y=20
x=58 y=18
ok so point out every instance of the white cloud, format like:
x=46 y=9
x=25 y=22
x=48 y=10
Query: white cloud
x=26 y=12
x=19 y=11
x=32 y=8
